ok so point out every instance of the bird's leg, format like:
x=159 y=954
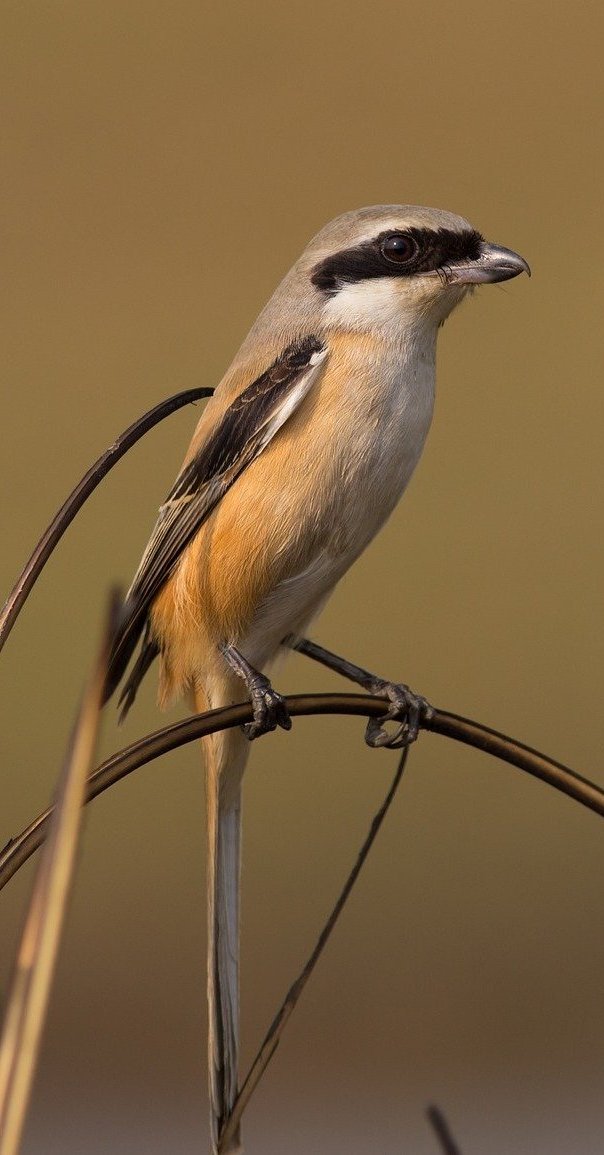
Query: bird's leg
x=406 y=707
x=269 y=707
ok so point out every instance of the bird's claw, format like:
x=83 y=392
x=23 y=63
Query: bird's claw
x=406 y=707
x=269 y=708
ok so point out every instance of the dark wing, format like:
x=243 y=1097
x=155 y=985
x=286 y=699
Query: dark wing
x=246 y=428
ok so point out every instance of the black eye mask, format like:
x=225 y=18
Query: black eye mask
x=396 y=253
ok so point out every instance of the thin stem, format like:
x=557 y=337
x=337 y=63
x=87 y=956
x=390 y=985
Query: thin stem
x=442 y=1131
x=273 y=1035
x=152 y=746
x=53 y=534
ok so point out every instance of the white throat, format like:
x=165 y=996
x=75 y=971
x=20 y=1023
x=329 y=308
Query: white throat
x=385 y=305
x=365 y=305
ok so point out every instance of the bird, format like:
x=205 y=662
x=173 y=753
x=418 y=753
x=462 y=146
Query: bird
x=299 y=458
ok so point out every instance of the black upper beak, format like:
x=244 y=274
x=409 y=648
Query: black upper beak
x=492 y=264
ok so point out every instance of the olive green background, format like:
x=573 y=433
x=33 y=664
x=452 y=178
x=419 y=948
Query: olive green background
x=164 y=165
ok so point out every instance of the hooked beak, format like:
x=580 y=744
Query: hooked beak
x=493 y=264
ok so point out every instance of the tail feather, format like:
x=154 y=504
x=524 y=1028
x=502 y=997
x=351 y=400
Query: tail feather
x=130 y=627
x=223 y=970
x=148 y=652
x=226 y=755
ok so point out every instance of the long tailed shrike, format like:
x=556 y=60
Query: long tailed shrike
x=298 y=459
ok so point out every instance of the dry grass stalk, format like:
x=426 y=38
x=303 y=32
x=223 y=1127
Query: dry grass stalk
x=36 y=957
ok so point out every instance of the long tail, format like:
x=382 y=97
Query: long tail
x=226 y=754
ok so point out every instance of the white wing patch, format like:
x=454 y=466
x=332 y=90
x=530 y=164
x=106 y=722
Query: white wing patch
x=293 y=398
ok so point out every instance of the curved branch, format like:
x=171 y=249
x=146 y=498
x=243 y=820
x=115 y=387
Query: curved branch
x=152 y=746
x=63 y=518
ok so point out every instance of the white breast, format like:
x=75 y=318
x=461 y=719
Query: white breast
x=384 y=410
x=393 y=403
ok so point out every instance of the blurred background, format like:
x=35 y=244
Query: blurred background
x=164 y=165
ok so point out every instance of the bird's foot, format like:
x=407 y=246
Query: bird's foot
x=269 y=708
x=406 y=707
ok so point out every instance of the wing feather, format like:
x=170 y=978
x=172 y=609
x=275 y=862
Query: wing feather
x=245 y=430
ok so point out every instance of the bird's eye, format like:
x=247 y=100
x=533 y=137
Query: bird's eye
x=399 y=248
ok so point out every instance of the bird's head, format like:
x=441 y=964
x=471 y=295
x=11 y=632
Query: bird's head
x=400 y=265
